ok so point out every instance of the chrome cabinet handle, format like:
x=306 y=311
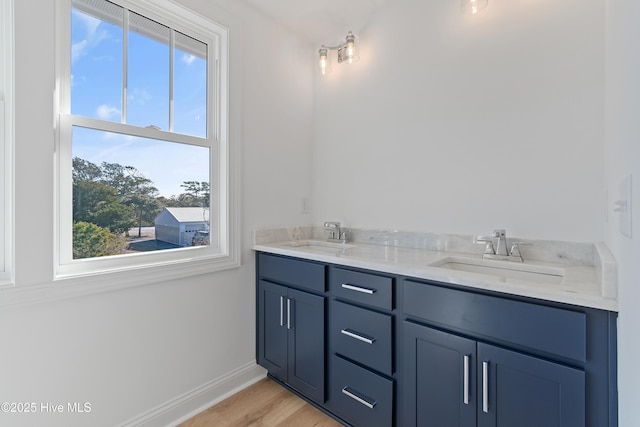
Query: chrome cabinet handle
x=281 y=311
x=358 y=289
x=357 y=336
x=465 y=395
x=358 y=398
x=485 y=387
x=288 y=313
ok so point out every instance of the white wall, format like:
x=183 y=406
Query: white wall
x=462 y=124
x=128 y=352
x=622 y=156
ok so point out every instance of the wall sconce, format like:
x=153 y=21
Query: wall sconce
x=472 y=6
x=347 y=52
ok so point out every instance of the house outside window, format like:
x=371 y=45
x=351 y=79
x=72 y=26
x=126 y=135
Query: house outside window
x=143 y=126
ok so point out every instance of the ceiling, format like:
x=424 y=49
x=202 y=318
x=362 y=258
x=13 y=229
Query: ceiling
x=320 y=21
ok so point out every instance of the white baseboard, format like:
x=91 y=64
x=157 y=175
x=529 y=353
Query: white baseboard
x=197 y=400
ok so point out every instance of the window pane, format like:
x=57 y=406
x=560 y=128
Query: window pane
x=190 y=86
x=96 y=60
x=135 y=194
x=148 y=73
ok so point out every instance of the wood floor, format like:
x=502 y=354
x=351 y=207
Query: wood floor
x=264 y=404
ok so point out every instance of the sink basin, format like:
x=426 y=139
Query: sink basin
x=503 y=270
x=319 y=245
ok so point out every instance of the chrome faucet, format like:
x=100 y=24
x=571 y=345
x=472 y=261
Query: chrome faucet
x=501 y=245
x=499 y=251
x=336 y=234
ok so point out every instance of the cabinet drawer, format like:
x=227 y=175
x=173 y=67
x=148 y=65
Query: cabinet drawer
x=549 y=329
x=362 y=335
x=360 y=396
x=292 y=271
x=364 y=288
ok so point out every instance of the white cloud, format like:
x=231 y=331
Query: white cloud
x=140 y=96
x=78 y=49
x=89 y=22
x=106 y=112
x=92 y=36
x=188 y=59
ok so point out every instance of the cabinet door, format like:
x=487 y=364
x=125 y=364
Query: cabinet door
x=440 y=378
x=272 y=328
x=306 y=344
x=524 y=391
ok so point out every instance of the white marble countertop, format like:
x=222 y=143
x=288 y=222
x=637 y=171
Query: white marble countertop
x=582 y=285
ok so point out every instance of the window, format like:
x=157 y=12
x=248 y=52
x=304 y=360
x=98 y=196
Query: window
x=143 y=155
x=6 y=141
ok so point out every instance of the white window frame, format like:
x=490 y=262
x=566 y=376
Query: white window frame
x=7 y=277
x=153 y=266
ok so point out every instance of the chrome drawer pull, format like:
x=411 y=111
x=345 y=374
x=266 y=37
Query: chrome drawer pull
x=357 y=336
x=281 y=311
x=288 y=313
x=358 y=398
x=358 y=289
x=465 y=397
x=485 y=387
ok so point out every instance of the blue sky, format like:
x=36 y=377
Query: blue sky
x=97 y=61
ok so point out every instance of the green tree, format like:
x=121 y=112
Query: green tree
x=115 y=176
x=90 y=240
x=118 y=218
x=141 y=196
x=98 y=203
x=84 y=170
x=167 y=202
x=197 y=193
x=146 y=208
x=113 y=196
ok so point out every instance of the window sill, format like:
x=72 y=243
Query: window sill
x=67 y=287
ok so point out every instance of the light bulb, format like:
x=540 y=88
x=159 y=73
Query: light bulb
x=349 y=48
x=349 y=52
x=472 y=6
x=325 y=65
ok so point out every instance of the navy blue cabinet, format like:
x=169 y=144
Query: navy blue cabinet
x=360 y=396
x=361 y=329
x=375 y=349
x=291 y=336
x=453 y=380
x=525 y=391
x=440 y=378
x=272 y=330
x=480 y=359
x=362 y=335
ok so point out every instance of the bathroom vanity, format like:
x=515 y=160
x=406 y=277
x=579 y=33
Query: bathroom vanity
x=381 y=335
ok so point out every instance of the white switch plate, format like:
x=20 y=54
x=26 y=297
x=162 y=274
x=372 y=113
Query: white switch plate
x=623 y=206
